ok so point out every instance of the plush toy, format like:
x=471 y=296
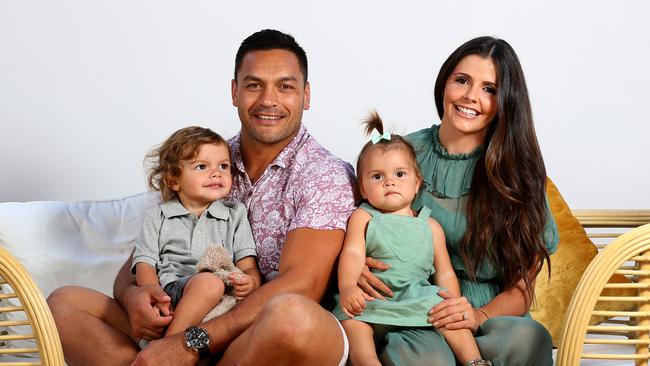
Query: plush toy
x=216 y=259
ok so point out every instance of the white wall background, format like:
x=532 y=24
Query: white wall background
x=87 y=87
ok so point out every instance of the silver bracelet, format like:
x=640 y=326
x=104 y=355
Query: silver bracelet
x=479 y=362
x=484 y=313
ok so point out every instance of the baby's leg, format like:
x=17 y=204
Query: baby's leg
x=462 y=342
x=362 y=345
x=202 y=293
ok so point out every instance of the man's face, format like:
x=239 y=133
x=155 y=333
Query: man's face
x=270 y=94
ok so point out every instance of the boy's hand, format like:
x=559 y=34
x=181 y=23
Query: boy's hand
x=353 y=300
x=243 y=284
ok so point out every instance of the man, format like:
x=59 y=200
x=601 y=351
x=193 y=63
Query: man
x=299 y=198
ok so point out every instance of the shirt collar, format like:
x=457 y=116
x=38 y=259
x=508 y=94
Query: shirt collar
x=173 y=208
x=284 y=157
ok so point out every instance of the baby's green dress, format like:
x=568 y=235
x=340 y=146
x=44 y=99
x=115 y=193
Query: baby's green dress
x=406 y=244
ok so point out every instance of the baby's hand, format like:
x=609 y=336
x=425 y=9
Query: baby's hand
x=243 y=284
x=353 y=300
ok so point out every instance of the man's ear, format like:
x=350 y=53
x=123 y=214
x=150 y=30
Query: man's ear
x=307 y=97
x=233 y=92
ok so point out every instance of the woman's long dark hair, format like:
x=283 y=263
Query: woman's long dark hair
x=506 y=209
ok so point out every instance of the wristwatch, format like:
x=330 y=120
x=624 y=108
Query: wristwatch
x=197 y=339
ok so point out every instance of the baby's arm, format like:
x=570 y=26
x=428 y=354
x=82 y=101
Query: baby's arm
x=351 y=264
x=445 y=275
x=251 y=279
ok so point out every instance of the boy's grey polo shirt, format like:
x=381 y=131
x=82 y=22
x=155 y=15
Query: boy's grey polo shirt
x=172 y=239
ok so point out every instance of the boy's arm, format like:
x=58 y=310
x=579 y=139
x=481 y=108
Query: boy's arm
x=251 y=280
x=248 y=265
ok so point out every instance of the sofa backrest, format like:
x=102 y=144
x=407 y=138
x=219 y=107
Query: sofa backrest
x=73 y=243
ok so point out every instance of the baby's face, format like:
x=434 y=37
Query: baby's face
x=388 y=180
x=206 y=177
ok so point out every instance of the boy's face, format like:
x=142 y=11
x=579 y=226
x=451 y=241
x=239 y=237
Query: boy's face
x=205 y=178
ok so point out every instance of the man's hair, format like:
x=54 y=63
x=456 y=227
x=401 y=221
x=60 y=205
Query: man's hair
x=164 y=161
x=271 y=39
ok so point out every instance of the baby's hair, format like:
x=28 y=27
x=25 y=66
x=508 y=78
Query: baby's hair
x=374 y=122
x=164 y=161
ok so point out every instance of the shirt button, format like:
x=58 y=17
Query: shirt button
x=198 y=232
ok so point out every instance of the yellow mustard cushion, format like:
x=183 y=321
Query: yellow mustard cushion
x=574 y=253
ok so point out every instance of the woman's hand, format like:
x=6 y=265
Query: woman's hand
x=454 y=313
x=372 y=285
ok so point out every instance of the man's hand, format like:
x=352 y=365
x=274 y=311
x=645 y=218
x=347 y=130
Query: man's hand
x=243 y=284
x=170 y=350
x=353 y=300
x=370 y=284
x=144 y=317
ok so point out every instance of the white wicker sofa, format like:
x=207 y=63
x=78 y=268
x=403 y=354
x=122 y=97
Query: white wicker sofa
x=84 y=243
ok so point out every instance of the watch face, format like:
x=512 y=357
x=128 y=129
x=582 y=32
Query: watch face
x=196 y=337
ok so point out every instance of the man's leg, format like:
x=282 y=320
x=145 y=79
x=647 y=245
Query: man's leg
x=94 y=329
x=290 y=330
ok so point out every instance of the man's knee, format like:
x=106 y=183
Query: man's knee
x=290 y=319
x=62 y=299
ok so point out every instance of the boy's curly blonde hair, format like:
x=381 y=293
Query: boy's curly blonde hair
x=164 y=161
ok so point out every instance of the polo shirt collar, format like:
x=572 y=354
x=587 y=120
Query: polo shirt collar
x=173 y=208
x=218 y=210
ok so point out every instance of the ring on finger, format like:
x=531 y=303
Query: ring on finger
x=465 y=316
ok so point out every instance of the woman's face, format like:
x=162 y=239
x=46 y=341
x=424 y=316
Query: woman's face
x=470 y=100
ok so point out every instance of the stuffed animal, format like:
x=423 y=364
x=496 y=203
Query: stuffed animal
x=216 y=259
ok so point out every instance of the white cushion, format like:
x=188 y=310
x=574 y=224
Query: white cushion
x=73 y=243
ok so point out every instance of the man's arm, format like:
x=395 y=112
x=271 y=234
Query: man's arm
x=137 y=302
x=306 y=264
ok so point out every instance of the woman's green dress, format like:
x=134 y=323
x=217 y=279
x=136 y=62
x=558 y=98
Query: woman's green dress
x=447 y=181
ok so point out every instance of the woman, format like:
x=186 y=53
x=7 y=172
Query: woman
x=484 y=181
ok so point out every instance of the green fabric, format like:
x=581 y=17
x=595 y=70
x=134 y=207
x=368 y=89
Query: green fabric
x=505 y=340
x=406 y=244
x=448 y=179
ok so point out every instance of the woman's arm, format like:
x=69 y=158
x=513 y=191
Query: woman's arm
x=449 y=313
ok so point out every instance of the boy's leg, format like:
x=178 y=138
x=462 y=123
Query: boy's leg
x=362 y=344
x=201 y=293
x=463 y=344
x=94 y=329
